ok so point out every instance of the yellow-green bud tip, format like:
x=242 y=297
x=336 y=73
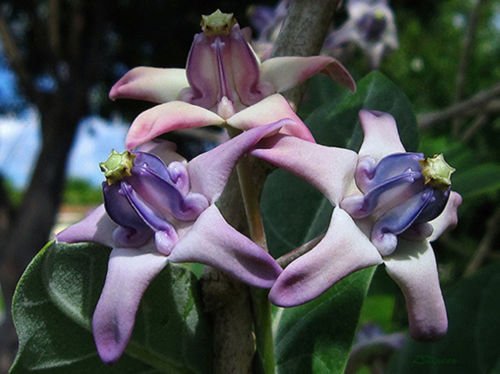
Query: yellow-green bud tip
x=117 y=166
x=217 y=23
x=437 y=172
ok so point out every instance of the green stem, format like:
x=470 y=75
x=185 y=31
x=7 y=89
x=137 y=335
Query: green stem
x=251 y=179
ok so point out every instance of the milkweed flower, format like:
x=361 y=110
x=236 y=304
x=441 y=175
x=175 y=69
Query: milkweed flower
x=223 y=77
x=389 y=206
x=371 y=26
x=158 y=208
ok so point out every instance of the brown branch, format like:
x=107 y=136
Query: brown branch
x=303 y=33
x=471 y=105
x=485 y=244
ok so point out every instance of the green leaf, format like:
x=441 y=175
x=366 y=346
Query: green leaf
x=471 y=345
x=336 y=123
x=316 y=337
x=55 y=300
x=478 y=180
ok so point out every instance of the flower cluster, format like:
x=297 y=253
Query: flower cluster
x=159 y=208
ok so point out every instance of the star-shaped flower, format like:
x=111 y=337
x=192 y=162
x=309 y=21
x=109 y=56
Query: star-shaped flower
x=384 y=212
x=223 y=76
x=158 y=208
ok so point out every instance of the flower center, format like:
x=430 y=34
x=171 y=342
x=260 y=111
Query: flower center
x=401 y=194
x=217 y=23
x=117 y=166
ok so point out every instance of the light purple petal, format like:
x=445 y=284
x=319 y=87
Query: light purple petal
x=344 y=250
x=381 y=137
x=210 y=170
x=413 y=267
x=150 y=84
x=96 y=227
x=167 y=117
x=212 y=241
x=164 y=149
x=129 y=273
x=287 y=72
x=329 y=169
x=202 y=74
x=448 y=218
x=271 y=109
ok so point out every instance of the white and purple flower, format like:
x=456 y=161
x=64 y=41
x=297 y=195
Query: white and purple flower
x=389 y=206
x=158 y=208
x=223 y=79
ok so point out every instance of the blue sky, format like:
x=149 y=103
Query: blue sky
x=20 y=143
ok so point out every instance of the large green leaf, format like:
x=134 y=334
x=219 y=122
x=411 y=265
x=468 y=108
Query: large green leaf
x=55 y=300
x=477 y=180
x=471 y=345
x=316 y=337
x=336 y=123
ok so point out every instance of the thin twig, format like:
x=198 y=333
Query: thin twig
x=465 y=57
x=474 y=104
x=286 y=259
x=485 y=244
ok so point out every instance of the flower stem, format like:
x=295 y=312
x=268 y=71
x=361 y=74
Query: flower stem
x=251 y=177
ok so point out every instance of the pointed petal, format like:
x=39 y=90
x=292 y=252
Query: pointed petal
x=448 y=218
x=271 y=109
x=381 y=135
x=210 y=170
x=96 y=227
x=329 y=169
x=344 y=250
x=413 y=267
x=150 y=84
x=287 y=72
x=212 y=241
x=167 y=117
x=129 y=273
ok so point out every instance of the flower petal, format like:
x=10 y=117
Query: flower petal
x=413 y=267
x=212 y=241
x=271 y=109
x=287 y=72
x=448 y=218
x=344 y=250
x=167 y=117
x=150 y=84
x=329 y=169
x=96 y=227
x=129 y=273
x=210 y=170
x=381 y=137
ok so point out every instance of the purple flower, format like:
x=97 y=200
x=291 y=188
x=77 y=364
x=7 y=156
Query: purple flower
x=159 y=209
x=223 y=76
x=389 y=206
x=371 y=26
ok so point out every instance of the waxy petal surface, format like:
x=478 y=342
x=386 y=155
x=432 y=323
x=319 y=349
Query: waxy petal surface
x=96 y=227
x=343 y=250
x=210 y=170
x=129 y=273
x=448 y=218
x=271 y=109
x=381 y=137
x=413 y=267
x=212 y=241
x=287 y=72
x=329 y=169
x=156 y=85
x=167 y=117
